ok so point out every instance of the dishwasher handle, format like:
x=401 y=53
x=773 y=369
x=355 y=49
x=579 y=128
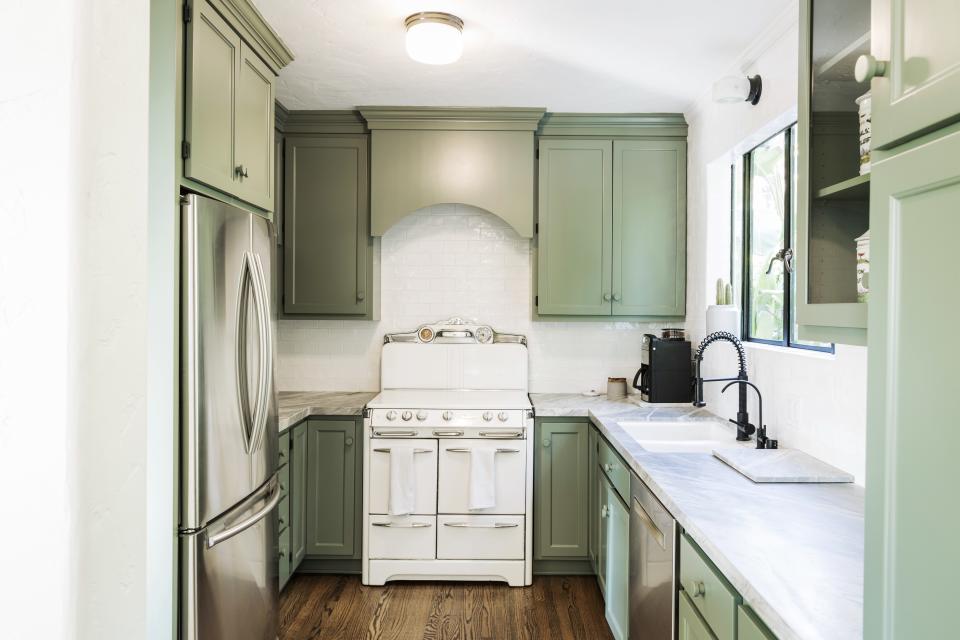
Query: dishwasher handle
x=649 y=524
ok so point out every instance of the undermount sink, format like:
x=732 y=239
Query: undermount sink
x=682 y=437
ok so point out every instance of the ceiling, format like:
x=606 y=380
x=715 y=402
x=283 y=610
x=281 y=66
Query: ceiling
x=566 y=55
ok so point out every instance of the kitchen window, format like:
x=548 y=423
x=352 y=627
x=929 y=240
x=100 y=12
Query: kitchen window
x=769 y=175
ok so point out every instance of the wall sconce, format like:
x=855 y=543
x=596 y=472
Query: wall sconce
x=737 y=89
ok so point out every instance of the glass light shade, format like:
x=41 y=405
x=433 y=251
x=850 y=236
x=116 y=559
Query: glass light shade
x=731 y=89
x=434 y=38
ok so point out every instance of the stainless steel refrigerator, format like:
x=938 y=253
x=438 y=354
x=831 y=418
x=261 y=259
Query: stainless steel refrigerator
x=229 y=437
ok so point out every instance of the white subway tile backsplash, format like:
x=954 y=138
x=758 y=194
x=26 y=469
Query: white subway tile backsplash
x=456 y=260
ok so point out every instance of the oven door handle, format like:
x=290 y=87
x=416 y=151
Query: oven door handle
x=652 y=529
x=501 y=434
x=387 y=450
x=394 y=525
x=467 y=450
x=406 y=434
x=470 y=525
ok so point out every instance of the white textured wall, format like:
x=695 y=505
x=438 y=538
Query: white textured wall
x=73 y=319
x=814 y=402
x=451 y=260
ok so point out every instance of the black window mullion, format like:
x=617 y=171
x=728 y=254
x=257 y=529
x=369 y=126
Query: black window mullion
x=787 y=235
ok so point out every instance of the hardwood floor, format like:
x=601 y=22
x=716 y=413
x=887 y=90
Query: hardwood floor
x=554 y=608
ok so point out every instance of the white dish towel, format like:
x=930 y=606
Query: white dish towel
x=483 y=478
x=403 y=481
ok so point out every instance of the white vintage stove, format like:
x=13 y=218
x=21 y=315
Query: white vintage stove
x=447 y=389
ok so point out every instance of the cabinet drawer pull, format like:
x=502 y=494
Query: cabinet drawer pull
x=394 y=525
x=387 y=450
x=406 y=434
x=470 y=525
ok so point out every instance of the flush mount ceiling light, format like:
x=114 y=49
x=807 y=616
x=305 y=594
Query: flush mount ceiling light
x=434 y=37
x=737 y=89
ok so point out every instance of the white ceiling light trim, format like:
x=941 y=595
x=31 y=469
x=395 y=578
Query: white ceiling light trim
x=434 y=37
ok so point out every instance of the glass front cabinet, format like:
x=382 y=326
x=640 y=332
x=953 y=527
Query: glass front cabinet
x=833 y=183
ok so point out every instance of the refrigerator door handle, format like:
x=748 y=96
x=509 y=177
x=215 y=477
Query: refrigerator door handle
x=245 y=524
x=248 y=426
x=266 y=351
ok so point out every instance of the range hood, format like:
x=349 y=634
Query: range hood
x=421 y=156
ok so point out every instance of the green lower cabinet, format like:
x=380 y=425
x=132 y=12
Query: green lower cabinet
x=615 y=542
x=749 y=626
x=298 y=496
x=283 y=557
x=333 y=483
x=561 y=490
x=690 y=626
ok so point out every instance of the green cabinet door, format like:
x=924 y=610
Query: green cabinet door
x=575 y=226
x=911 y=551
x=690 y=626
x=749 y=626
x=254 y=130
x=332 y=487
x=616 y=524
x=920 y=90
x=604 y=491
x=213 y=67
x=283 y=557
x=593 y=519
x=327 y=247
x=298 y=496
x=560 y=491
x=649 y=227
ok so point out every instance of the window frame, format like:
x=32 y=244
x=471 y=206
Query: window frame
x=789 y=242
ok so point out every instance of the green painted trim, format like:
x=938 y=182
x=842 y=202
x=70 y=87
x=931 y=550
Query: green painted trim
x=344 y=121
x=255 y=31
x=567 y=567
x=312 y=564
x=839 y=335
x=670 y=125
x=453 y=118
x=280 y=115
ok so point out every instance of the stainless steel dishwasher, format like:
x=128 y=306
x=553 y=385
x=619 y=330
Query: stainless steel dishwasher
x=652 y=562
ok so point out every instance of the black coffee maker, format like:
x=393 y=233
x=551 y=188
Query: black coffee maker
x=665 y=368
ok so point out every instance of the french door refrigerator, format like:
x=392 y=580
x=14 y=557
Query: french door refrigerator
x=229 y=437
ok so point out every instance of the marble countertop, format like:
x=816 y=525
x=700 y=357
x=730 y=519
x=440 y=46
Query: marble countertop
x=793 y=551
x=299 y=405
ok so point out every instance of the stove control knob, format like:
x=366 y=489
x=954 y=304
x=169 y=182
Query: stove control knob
x=421 y=415
x=448 y=415
x=391 y=415
x=407 y=416
x=502 y=416
x=487 y=416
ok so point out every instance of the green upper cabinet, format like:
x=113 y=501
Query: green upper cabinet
x=327 y=249
x=649 y=227
x=561 y=488
x=575 y=227
x=229 y=93
x=920 y=87
x=832 y=197
x=911 y=552
x=213 y=66
x=333 y=488
x=611 y=237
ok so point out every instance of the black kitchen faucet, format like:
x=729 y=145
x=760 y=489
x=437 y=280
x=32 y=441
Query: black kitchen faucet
x=744 y=428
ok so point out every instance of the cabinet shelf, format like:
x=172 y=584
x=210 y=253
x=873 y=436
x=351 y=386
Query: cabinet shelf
x=857 y=188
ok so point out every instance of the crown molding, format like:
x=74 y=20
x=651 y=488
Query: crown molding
x=453 y=118
x=322 y=121
x=670 y=125
x=280 y=115
x=255 y=31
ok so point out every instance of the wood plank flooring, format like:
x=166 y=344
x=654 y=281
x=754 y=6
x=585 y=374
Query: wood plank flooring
x=554 y=608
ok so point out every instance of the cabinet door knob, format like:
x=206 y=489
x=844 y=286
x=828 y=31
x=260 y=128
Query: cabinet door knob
x=698 y=589
x=616 y=297
x=604 y=510
x=361 y=295
x=348 y=441
x=868 y=67
x=608 y=467
x=606 y=297
x=242 y=171
x=546 y=442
